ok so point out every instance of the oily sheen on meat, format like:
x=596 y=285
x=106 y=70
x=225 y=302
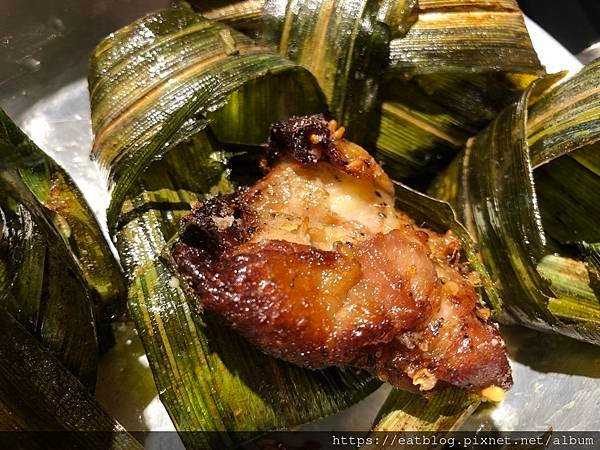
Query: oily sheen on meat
x=316 y=266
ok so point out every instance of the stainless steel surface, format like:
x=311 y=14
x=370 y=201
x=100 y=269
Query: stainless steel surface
x=44 y=48
x=589 y=54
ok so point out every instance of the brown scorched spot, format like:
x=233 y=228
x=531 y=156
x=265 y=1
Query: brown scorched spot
x=316 y=266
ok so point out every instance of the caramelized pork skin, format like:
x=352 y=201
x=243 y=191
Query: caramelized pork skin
x=314 y=265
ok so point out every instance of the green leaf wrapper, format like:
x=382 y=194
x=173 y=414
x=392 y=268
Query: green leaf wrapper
x=527 y=187
x=416 y=77
x=42 y=283
x=166 y=91
x=64 y=206
x=345 y=44
x=37 y=395
x=458 y=66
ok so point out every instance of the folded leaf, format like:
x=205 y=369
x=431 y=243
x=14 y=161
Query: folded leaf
x=38 y=395
x=465 y=36
x=458 y=66
x=404 y=411
x=427 y=119
x=245 y=15
x=345 y=44
x=527 y=187
x=65 y=207
x=442 y=69
x=140 y=67
x=166 y=91
x=42 y=283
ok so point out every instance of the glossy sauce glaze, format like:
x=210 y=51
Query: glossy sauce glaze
x=316 y=266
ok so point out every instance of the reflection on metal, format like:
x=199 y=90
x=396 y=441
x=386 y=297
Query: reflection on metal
x=589 y=54
x=557 y=380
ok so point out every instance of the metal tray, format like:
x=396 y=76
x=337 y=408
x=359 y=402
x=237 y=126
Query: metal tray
x=44 y=49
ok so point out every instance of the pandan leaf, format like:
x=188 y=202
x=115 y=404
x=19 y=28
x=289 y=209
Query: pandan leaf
x=165 y=91
x=527 y=188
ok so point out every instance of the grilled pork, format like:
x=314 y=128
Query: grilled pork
x=316 y=266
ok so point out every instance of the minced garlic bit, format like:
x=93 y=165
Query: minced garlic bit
x=483 y=313
x=357 y=165
x=223 y=223
x=339 y=133
x=332 y=125
x=493 y=394
x=424 y=379
x=174 y=282
x=314 y=139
